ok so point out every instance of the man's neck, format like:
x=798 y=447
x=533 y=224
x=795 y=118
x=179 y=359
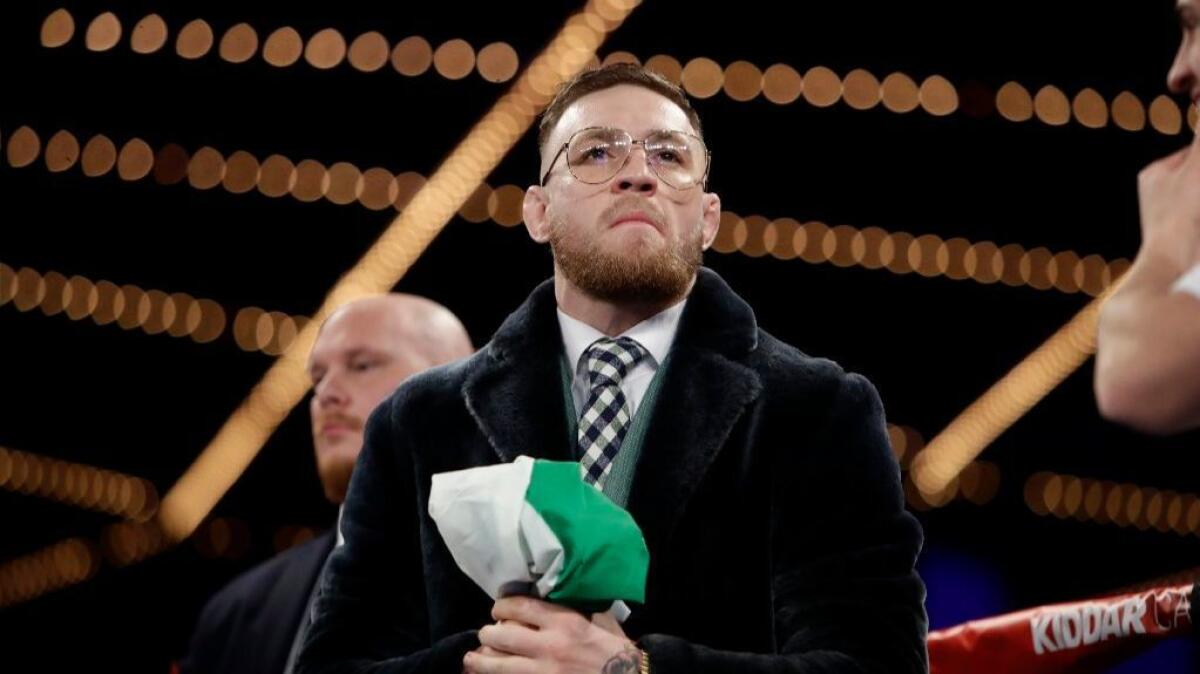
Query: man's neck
x=609 y=318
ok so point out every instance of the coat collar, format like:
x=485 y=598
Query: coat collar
x=516 y=396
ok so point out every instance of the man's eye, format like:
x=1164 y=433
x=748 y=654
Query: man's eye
x=594 y=155
x=668 y=157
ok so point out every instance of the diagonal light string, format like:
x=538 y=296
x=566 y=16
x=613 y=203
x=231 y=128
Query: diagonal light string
x=1009 y=399
x=285 y=383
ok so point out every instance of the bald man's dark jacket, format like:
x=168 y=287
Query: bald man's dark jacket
x=250 y=625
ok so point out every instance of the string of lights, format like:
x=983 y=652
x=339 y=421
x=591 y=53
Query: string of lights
x=1111 y=503
x=77 y=485
x=754 y=235
x=978 y=482
x=935 y=467
x=218 y=466
x=154 y=312
x=454 y=59
x=702 y=77
x=927 y=255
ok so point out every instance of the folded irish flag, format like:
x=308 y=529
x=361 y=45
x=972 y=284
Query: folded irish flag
x=535 y=527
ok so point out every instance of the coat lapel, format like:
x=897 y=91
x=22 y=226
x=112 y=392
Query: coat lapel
x=515 y=396
x=706 y=391
x=275 y=629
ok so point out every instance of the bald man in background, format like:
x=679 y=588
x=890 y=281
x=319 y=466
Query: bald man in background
x=362 y=353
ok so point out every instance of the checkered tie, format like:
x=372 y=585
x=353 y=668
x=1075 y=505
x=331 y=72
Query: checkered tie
x=606 y=416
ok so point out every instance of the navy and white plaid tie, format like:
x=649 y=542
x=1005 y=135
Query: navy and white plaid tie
x=606 y=417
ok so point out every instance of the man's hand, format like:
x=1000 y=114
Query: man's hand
x=1170 y=206
x=534 y=636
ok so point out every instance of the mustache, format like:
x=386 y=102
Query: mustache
x=629 y=203
x=352 y=422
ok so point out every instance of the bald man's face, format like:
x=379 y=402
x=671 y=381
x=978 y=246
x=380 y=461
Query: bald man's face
x=359 y=358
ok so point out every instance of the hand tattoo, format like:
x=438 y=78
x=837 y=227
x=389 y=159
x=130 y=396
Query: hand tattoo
x=625 y=662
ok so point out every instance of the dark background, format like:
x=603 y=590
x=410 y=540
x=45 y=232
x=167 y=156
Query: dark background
x=147 y=404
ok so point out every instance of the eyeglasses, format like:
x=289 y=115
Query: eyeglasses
x=596 y=154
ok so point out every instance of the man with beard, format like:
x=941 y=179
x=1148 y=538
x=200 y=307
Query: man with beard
x=1148 y=354
x=761 y=478
x=362 y=352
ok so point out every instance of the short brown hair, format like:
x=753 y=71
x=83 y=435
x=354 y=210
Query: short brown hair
x=606 y=77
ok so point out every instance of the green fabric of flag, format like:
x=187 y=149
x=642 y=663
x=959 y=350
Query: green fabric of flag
x=535 y=527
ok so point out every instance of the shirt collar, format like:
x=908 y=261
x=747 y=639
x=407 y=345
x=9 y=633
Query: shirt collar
x=655 y=334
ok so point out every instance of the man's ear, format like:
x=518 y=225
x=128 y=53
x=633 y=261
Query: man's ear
x=710 y=217
x=535 y=210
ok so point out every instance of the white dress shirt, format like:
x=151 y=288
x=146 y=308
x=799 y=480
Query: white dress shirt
x=655 y=334
x=1189 y=283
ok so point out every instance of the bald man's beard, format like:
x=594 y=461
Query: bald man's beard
x=335 y=471
x=642 y=278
